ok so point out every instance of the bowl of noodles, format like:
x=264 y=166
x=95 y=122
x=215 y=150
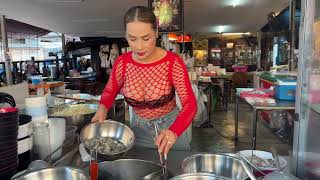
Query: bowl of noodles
x=75 y=114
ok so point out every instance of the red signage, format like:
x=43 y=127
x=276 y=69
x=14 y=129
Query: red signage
x=187 y=38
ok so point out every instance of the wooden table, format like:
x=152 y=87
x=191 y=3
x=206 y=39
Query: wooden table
x=46 y=86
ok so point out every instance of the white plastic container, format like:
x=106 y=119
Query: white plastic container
x=41 y=140
x=57 y=128
x=37 y=108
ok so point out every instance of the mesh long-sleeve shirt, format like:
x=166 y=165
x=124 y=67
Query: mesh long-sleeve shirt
x=150 y=88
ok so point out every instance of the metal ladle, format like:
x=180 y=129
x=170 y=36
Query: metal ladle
x=163 y=162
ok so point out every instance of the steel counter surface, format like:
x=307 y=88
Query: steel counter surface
x=174 y=160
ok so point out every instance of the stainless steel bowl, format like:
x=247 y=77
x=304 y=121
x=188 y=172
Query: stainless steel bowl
x=55 y=173
x=124 y=169
x=78 y=120
x=218 y=164
x=77 y=97
x=110 y=129
x=198 y=176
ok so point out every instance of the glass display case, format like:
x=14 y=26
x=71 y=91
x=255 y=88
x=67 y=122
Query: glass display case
x=306 y=148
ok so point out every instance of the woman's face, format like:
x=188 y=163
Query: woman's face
x=142 y=39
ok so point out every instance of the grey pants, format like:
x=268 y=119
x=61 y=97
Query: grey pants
x=144 y=131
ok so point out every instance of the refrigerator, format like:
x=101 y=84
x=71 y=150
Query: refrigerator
x=306 y=145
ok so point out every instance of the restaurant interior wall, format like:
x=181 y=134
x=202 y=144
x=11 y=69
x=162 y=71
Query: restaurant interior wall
x=227 y=51
x=200 y=44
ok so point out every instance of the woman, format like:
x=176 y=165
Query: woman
x=148 y=78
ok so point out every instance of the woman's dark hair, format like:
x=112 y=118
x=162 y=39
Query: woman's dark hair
x=142 y=14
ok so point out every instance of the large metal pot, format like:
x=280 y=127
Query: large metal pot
x=221 y=165
x=78 y=120
x=55 y=173
x=198 y=176
x=124 y=169
x=110 y=129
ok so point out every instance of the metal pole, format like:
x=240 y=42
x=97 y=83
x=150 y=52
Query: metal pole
x=6 y=58
x=63 y=40
x=183 y=43
x=292 y=33
x=259 y=37
x=254 y=128
x=236 y=119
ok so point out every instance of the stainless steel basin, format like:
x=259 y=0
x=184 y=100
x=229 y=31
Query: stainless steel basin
x=221 y=165
x=198 y=176
x=67 y=173
x=110 y=129
x=78 y=120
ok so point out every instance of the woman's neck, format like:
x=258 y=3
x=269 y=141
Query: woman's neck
x=156 y=55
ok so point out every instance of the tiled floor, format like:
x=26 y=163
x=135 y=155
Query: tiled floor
x=211 y=140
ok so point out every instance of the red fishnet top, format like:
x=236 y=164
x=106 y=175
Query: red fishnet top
x=150 y=88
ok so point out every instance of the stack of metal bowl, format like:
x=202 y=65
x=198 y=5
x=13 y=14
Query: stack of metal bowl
x=79 y=120
x=111 y=129
x=221 y=165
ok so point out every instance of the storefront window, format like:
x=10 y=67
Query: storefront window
x=24 y=46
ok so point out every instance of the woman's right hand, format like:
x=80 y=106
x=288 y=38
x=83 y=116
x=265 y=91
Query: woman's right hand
x=100 y=115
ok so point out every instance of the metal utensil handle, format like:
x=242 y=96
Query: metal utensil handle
x=248 y=170
x=162 y=159
x=251 y=164
x=94 y=169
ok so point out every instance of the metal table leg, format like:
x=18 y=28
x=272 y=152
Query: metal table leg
x=254 y=128
x=208 y=123
x=225 y=94
x=210 y=104
x=236 y=119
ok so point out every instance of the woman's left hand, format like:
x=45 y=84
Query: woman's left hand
x=165 y=141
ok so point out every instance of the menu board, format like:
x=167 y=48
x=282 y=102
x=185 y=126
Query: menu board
x=169 y=14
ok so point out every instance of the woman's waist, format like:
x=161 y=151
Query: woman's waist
x=154 y=114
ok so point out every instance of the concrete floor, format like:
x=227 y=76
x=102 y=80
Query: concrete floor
x=211 y=140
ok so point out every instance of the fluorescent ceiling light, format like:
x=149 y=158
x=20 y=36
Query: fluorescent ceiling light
x=221 y=28
x=234 y=34
x=235 y=3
